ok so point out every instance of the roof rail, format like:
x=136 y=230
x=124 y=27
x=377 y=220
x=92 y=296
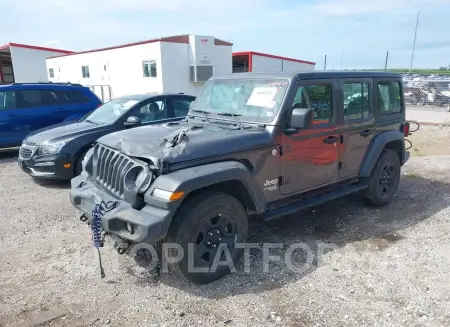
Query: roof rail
x=57 y=83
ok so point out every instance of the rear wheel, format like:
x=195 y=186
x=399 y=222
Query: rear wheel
x=384 y=180
x=208 y=227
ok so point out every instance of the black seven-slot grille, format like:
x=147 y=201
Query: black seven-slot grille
x=110 y=167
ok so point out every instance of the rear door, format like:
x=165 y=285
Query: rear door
x=11 y=131
x=75 y=103
x=358 y=123
x=39 y=108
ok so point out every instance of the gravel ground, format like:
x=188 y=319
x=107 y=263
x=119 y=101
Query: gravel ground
x=389 y=266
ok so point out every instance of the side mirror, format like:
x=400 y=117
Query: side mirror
x=132 y=121
x=302 y=118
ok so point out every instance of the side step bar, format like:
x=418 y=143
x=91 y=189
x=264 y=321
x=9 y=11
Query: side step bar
x=312 y=201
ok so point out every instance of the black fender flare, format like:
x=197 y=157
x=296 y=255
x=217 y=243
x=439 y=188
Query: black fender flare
x=378 y=143
x=195 y=178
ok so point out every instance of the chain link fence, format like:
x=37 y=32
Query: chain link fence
x=428 y=93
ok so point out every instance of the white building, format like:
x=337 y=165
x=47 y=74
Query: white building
x=251 y=61
x=170 y=64
x=22 y=63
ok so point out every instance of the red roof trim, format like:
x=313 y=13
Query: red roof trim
x=171 y=39
x=34 y=47
x=251 y=53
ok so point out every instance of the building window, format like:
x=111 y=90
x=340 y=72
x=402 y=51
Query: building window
x=149 y=68
x=51 y=73
x=356 y=101
x=85 y=71
x=389 y=98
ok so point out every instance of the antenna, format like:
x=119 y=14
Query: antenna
x=414 y=43
x=387 y=57
x=325 y=63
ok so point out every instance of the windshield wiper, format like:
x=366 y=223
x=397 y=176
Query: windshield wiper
x=90 y=121
x=205 y=113
x=229 y=114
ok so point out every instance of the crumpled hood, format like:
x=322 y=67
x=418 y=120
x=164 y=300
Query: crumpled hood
x=63 y=131
x=211 y=140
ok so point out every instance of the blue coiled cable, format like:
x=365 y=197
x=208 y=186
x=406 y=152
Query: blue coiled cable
x=96 y=225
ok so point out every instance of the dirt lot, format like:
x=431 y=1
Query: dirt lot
x=430 y=140
x=391 y=266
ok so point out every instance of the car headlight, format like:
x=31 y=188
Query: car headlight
x=138 y=178
x=50 y=148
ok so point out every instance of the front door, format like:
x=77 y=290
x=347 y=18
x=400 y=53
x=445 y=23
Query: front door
x=310 y=157
x=358 y=124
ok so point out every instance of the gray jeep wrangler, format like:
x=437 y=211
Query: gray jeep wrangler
x=252 y=145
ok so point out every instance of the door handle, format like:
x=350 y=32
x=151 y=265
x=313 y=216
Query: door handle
x=366 y=133
x=12 y=115
x=330 y=140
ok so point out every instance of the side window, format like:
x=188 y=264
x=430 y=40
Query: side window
x=72 y=96
x=356 y=101
x=389 y=98
x=181 y=106
x=319 y=97
x=153 y=111
x=7 y=100
x=29 y=98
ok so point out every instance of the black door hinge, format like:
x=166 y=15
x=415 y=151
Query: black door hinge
x=281 y=150
x=342 y=139
x=340 y=166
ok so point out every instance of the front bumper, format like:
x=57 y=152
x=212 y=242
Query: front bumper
x=48 y=167
x=147 y=223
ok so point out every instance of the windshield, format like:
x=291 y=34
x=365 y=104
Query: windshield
x=256 y=100
x=110 y=111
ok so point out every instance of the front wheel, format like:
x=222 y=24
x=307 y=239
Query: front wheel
x=384 y=180
x=208 y=228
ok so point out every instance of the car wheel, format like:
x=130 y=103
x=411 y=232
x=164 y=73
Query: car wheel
x=384 y=180
x=207 y=228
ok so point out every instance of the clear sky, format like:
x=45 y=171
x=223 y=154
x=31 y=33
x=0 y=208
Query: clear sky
x=307 y=29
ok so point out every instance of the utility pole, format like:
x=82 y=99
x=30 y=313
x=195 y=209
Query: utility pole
x=387 y=57
x=414 y=43
x=325 y=63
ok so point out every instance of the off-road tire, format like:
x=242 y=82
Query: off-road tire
x=378 y=193
x=191 y=221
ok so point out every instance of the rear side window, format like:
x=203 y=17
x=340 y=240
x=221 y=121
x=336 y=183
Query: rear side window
x=7 y=100
x=29 y=98
x=389 y=98
x=356 y=100
x=72 y=96
x=181 y=106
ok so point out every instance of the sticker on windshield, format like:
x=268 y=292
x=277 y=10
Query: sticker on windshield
x=262 y=97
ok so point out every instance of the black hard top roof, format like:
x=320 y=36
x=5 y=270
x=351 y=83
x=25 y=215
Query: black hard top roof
x=314 y=75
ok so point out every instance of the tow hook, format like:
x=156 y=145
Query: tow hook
x=84 y=218
x=408 y=132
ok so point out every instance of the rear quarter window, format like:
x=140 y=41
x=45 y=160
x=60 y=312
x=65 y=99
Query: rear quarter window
x=389 y=97
x=73 y=96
